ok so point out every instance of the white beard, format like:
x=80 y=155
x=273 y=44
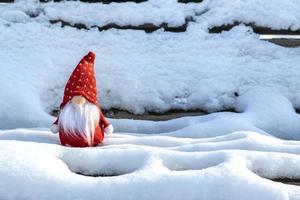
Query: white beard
x=79 y=120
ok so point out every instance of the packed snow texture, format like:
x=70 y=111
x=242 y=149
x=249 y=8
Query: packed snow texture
x=218 y=156
x=120 y=14
x=137 y=71
x=222 y=155
x=275 y=14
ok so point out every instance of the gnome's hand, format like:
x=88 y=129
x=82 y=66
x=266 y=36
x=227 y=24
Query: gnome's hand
x=109 y=129
x=54 y=128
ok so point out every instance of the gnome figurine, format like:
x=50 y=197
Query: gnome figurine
x=80 y=122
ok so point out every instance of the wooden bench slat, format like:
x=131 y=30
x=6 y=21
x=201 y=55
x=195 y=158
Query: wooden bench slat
x=285 y=42
x=145 y=27
x=98 y=1
x=190 y=1
x=256 y=29
x=6 y=1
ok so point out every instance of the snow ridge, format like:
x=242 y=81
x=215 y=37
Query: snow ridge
x=218 y=156
x=224 y=67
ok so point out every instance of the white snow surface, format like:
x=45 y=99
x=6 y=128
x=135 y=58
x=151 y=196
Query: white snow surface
x=218 y=156
x=31 y=170
x=136 y=71
x=274 y=14
x=155 y=12
x=223 y=155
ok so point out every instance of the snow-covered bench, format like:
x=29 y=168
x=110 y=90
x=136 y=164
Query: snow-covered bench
x=205 y=57
x=273 y=17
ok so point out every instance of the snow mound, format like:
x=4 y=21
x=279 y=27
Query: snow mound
x=141 y=72
x=158 y=72
x=15 y=16
x=222 y=155
x=147 y=169
x=260 y=109
x=123 y=14
x=218 y=156
x=275 y=14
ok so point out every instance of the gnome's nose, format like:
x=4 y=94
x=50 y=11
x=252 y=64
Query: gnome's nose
x=78 y=100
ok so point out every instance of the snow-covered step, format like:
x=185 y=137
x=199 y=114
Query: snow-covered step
x=172 y=114
x=148 y=16
x=265 y=17
x=140 y=16
x=283 y=37
x=122 y=114
x=148 y=27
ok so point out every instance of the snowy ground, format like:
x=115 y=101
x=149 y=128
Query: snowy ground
x=218 y=156
x=275 y=14
x=158 y=71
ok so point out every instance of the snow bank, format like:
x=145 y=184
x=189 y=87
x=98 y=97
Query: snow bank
x=154 y=12
x=177 y=159
x=158 y=72
x=135 y=71
x=260 y=110
x=275 y=14
x=141 y=171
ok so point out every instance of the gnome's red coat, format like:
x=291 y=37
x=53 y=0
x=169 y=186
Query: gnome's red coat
x=82 y=82
x=80 y=141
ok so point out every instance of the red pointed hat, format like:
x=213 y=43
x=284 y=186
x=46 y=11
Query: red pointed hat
x=82 y=81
